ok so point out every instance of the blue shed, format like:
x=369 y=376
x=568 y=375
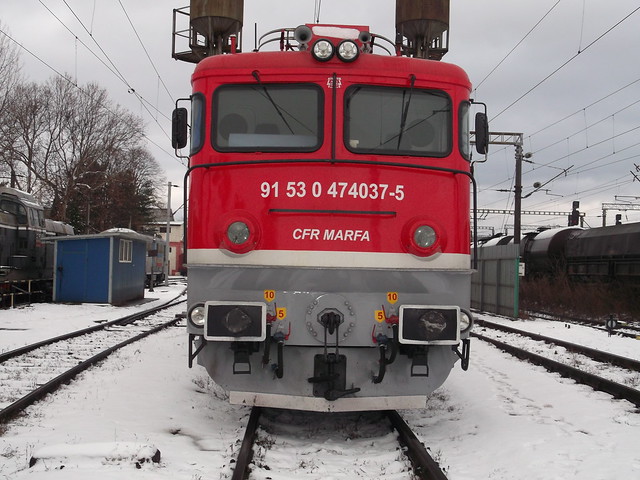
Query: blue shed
x=105 y=268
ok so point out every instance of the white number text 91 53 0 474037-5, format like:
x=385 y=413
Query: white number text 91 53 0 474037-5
x=371 y=191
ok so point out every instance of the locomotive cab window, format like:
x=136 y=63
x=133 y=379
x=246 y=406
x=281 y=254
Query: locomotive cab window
x=398 y=121
x=267 y=118
x=16 y=209
x=197 y=122
x=464 y=140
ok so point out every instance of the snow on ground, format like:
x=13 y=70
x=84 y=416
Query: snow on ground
x=580 y=334
x=507 y=419
x=32 y=323
x=502 y=419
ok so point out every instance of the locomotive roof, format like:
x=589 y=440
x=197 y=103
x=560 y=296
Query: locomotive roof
x=24 y=197
x=302 y=63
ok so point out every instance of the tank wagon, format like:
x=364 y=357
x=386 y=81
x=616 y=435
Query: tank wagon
x=597 y=254
x=328 y=210
x=605 y=254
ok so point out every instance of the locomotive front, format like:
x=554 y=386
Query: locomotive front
x=328 y=224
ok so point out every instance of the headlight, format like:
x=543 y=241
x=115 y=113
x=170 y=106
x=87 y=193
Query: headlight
x=429 y=324
x=237 y=321
x=238 y=233
x=424 y=236
x=322 y=50
x=432 y=323
x=348 y=51
x=197 y=315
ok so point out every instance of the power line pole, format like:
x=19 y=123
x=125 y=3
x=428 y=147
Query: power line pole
x=515 y=139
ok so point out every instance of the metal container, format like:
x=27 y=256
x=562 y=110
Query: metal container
x=216 y=18
x=422 y=18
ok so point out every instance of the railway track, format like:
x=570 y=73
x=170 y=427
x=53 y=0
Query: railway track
x=599 y=355
x=29 y=373
x=569 y=360
x=624 y=329
x=280 y=441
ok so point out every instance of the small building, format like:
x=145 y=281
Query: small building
x=105 y=268
x=158 y=226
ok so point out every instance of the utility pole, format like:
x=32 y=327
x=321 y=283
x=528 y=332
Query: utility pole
x=517 y=203
x=505 y=138
x=167 y=249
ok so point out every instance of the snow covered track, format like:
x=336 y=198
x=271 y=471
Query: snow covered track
x=126 y=320
x=624 y=329
x=70 y=354
x=596 y=354
x=425 y=466
x=278 y=443
x=618 y=390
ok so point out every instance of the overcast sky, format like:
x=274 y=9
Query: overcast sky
x=562 y=72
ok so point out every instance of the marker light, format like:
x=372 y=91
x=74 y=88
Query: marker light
x=323 y=50
x=238 y=233
x=424 y=236
x=348 y=51
x=466 y=321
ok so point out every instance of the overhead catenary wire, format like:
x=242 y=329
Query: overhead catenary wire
x=516 y=45
x=580 y=111
x=75 y=85
x=145 y=104
x=556 y=122
x=110 y=67
x=567 y=62
x=146 y=51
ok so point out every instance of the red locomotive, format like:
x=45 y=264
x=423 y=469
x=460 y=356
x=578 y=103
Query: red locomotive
x=328 y=214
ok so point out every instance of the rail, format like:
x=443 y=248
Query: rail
x=596 y=382
x=40 y=392
x=119 y=321
x=425 y=467
x=634 y=330
x=593 y=353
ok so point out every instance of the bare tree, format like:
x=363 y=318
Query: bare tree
x=24 y=134
x=9 y=79
x=127 y=191
x=80 y=153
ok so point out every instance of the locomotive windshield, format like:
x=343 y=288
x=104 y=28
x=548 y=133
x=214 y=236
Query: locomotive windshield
x=398 y=121
x=16 y=209
x=263 y=117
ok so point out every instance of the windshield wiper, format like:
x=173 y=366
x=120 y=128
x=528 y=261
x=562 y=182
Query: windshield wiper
x=256 y=75
x=405 y=112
